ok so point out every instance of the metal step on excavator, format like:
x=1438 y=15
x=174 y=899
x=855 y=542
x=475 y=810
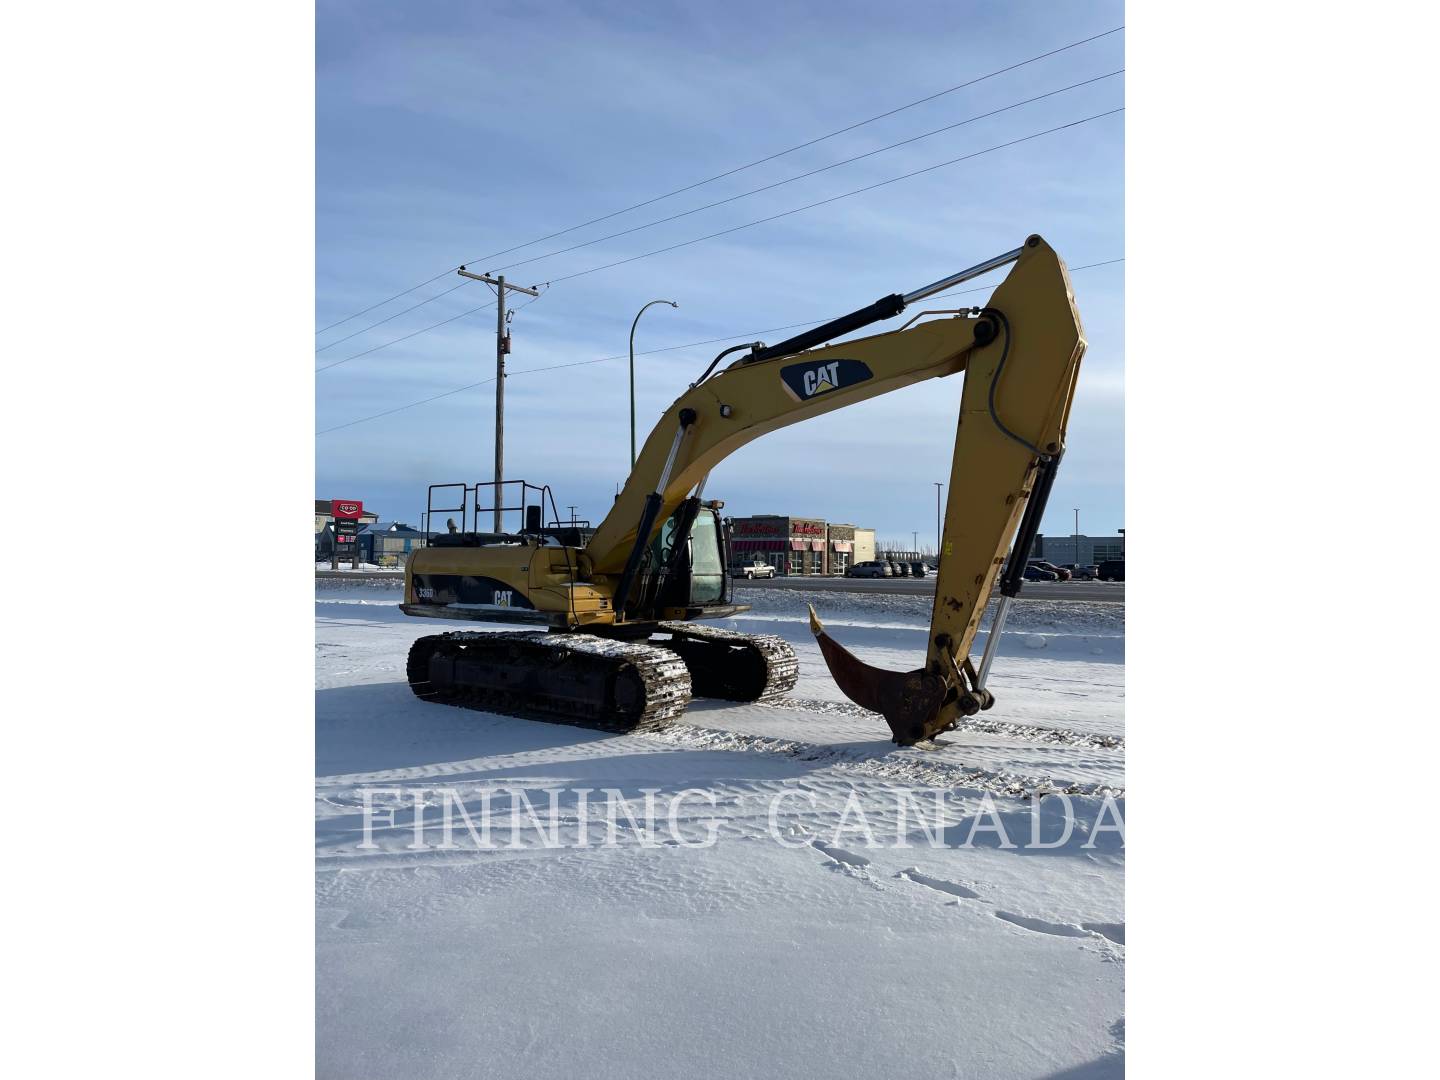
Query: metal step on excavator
x=617 y=642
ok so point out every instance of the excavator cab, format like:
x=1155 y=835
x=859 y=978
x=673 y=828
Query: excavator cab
x=679 y=575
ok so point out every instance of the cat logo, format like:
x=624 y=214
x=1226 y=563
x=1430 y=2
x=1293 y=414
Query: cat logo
x=805 y=381
x=503 y=596
x=822 y=378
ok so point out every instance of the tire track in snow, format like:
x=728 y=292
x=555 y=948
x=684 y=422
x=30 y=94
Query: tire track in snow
x=1029 y=732
x=919 y=767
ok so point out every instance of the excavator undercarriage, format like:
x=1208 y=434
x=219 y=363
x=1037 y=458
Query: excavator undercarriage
x=616 y=644
x=601 y=682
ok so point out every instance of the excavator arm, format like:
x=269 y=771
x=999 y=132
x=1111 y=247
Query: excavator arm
x=1020 y=353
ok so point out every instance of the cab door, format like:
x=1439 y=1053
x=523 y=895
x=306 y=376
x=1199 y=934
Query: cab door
x=707 y=563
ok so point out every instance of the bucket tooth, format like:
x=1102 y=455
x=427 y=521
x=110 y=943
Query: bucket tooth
x=909 y=700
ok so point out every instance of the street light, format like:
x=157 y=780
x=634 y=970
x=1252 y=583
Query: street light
x=938 y=536
x=634 y=324
x=1077 y=536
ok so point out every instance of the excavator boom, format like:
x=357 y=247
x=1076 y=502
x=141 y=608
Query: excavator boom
x=1020 y=353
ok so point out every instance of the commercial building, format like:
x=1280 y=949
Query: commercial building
x=323 y=516
x=386 y=543
x=864 y=546
x=381 y=543
x=796 y=545
x=839 y=548
x=1081 y=550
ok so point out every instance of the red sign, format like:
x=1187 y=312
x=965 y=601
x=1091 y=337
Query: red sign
x=346 y=509
x=747 y=527
x=807 y=528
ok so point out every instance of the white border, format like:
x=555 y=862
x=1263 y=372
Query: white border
x=158 y=386
x=1277 y=403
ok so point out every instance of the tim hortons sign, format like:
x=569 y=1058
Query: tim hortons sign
x=760 y=528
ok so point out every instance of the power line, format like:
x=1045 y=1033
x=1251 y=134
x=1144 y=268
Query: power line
x=382 y=303
x=812 y=172
x=735 y=198
x=746 y=225
x=649 y=352
x=521 y=307
x=402 y=408
x=810 y=142
x=836 y=198
x=388 y=318
x=737 y=169
x=437 y=397
x=407 y=337
x=432 y=326
x=775 y=329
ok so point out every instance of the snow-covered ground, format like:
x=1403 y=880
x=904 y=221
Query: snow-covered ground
x=857 y=913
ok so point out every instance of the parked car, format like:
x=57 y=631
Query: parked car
x=871 y=568
x=1061 y=574
x=756 y=569
x=917 y=569
x=1080 y=573
x=1112 y=570
x=899 y=569
x=1038 y=573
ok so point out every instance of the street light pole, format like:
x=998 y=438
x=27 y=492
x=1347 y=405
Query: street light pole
x=634 y=324
x=938 y=537
x=1077 y=536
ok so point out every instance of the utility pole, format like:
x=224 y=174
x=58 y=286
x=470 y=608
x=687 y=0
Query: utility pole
x=938 y=537
x=1077 y=536
x=502 y=346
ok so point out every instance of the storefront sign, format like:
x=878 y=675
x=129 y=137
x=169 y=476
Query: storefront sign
x=762 y=527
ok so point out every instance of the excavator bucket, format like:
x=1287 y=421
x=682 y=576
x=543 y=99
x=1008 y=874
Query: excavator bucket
x=909 y=700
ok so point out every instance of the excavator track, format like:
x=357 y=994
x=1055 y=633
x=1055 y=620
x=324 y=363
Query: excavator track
x=730 y=665
x=565 y=678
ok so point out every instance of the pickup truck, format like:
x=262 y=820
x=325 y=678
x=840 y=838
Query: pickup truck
x=757 y=569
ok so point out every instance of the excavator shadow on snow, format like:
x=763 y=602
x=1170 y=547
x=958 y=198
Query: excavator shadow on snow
x=382 y=727
x=379 y=727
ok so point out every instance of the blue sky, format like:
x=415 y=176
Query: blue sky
x=449 y=131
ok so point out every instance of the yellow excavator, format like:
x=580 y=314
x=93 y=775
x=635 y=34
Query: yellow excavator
x=617 y=642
